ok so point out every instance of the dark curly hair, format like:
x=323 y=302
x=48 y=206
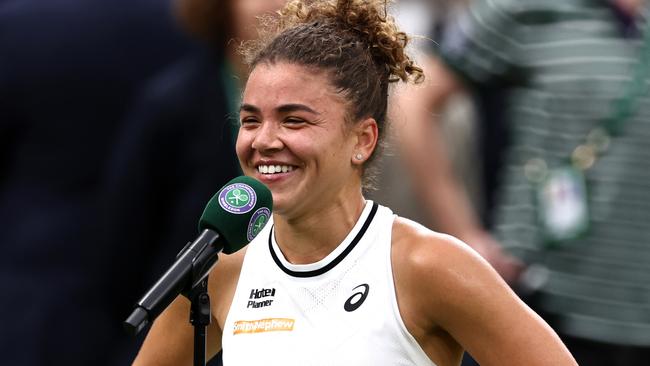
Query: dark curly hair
x=354 y=40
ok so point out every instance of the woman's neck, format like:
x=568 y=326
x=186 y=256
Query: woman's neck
x=311 y=237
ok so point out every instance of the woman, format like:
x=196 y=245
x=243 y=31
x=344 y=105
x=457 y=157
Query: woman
x=335 y=279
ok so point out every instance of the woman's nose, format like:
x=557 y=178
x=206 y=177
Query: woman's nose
x=267 y=138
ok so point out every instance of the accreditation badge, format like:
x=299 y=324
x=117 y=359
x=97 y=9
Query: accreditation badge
x=562 y=205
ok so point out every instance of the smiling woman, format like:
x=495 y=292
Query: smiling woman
x=300 y=128
x=335 y=279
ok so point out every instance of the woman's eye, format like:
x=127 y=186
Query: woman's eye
x=294 y=120
x=248 y=120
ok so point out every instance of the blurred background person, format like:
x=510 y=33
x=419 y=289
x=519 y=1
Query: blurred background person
x=425 y=19
x=114 y=130
x=177 y=147
x=573 y=200
x=171 y=154
x=69 y=71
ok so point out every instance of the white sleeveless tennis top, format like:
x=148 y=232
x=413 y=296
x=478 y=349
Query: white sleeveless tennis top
x=339 y=311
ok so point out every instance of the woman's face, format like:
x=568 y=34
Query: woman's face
x=294 y=137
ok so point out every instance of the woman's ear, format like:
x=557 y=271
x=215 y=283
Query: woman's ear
x=367 y=134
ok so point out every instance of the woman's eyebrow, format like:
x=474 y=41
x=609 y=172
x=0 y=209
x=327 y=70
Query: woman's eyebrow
x=285 y=108
x=249 y=108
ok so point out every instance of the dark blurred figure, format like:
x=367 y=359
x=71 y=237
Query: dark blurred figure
x=572 y=203
x=177 y=145
x=112 y=139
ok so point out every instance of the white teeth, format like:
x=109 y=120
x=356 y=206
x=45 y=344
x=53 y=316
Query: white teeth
x=272 y=169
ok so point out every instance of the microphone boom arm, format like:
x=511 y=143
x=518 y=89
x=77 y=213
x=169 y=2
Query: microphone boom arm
x=187 y=273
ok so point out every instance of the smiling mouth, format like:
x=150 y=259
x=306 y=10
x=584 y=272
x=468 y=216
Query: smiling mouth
x=274 y=169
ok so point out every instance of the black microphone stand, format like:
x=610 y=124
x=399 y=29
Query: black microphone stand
x=200 y=318
x=200 y=311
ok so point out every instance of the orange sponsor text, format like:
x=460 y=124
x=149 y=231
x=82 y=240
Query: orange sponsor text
x=263 y=325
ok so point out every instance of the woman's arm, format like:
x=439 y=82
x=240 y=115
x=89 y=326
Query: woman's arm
x=415 y=113
x=467 y=299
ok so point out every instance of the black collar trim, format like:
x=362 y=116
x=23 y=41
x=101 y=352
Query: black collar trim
x=335 y=261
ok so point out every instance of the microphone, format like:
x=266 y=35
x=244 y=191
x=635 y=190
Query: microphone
x=230 y=220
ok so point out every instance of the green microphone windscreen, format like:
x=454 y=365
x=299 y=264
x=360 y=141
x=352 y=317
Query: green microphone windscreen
x=238 y=212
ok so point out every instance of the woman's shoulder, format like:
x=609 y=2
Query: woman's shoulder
x=446 y=291
x=229 y=266
x=436 y=264
x=416 y=246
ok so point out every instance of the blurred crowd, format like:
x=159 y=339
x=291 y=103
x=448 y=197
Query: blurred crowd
x=527 y=141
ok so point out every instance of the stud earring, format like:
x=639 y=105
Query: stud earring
x=358 y=156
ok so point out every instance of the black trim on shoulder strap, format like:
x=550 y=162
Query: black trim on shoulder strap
x=336 y=260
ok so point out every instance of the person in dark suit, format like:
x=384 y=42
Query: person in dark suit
x=111 y=142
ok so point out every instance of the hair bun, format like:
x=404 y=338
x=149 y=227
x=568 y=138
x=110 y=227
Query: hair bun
x=387 y=42
x=367 y=18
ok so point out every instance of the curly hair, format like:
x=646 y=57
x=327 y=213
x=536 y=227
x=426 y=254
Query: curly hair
x=354 y=40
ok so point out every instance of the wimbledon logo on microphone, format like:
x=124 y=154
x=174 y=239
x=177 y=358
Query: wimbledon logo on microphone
x=237 y=198
x=257 y=222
